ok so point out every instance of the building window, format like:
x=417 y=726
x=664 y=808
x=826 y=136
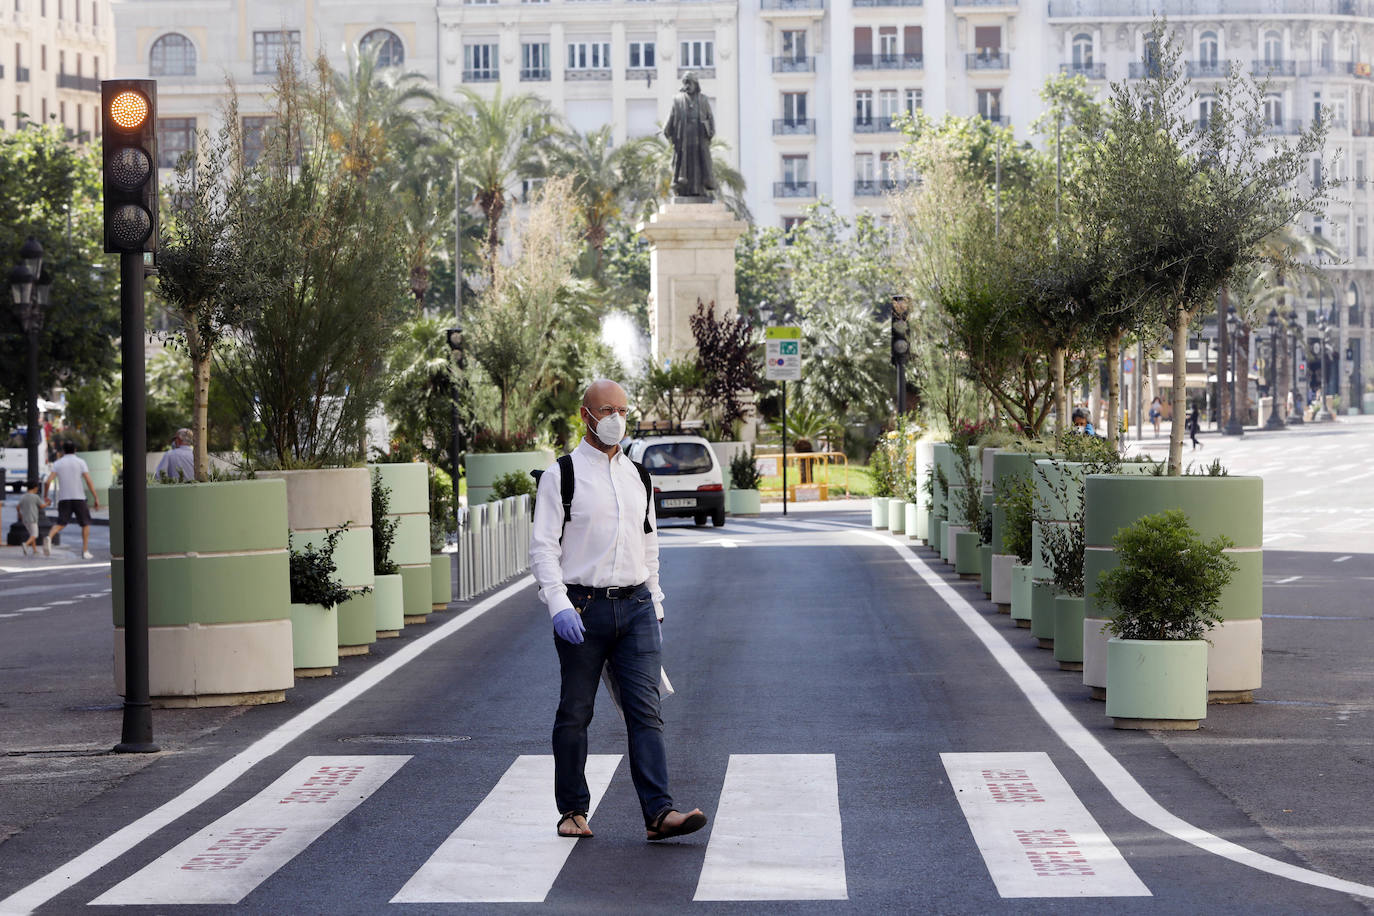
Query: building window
x=1361 y=237
x=1082 y=51
x=698 y=54
x=887 y=105
x=1324 y=50
x=987 y=40
x=889 y=165
x=887 y=42
x=915 y=101
x=175 y=136
x=1206 y=110
x=1273 y=48
x=792 y=222
x=270 y=48
x=642 y=55
x=795 y=170
x=386 y=45
x=255 y=138
x=534 y=60
x=589 y=55
x=863 y=106
x=794 y=44
x=990 y=104
x=1359 y=172
x=480 y=62
x=62 y=112
x=1208 y=49
x=1273 y=110
x=863 y=168
x=794 y=108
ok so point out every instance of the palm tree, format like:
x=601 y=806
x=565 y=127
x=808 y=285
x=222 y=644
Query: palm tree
x=501 y=139
x=607 y=179
x=378 y=111
x=658 y=164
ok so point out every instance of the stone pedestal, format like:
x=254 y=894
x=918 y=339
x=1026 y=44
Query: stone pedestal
x=691 y=258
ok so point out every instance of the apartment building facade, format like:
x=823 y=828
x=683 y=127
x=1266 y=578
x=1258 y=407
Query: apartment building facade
x=53 y=54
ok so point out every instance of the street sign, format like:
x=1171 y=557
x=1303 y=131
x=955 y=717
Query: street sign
x=1128 y=365
x=782 y=362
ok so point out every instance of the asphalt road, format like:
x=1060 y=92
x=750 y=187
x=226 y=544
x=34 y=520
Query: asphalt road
x=809 y=656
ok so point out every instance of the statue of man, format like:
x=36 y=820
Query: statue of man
x=690 y=129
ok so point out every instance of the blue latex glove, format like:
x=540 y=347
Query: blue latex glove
x=567 y=623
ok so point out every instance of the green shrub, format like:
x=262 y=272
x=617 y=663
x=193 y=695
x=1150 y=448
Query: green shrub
x=312 y=574
x=516 y=483
x=440 y=507
x=972 y=494
x=744 y=471
x=880 y=466
x=383 y=528
x=1016 y=497
x=1169 y=580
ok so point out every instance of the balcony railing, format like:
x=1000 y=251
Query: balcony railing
x=21 y=74
x=641 y=73
x=1275 y=128
x=1139 y=70
x=491 y=75
x=794 y=65
x=1325 y=68
x=874 y=187
x=535 y=74
x=877 y=124
x=794 y=189
x=1362 y=128
x=587 y=76
x=79 y=83
x=889 y=2
x=1273 y=68
x=792 y=4
x=959 y=3
x=888 y=62
x=792 y=126
x=1091 y=71
x=987 y=60
x=1209 y=69
x=701 y=73
x=1145 y=9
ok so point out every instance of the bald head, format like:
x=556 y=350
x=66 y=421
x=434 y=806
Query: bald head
x=602 y=393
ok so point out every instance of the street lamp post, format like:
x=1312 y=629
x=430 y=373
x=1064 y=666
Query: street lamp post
x=1274 y=422
x=901 y=347
x=1322 y=413
x=30 y=286
x=455 y=344
x=1234 y=426
x=1296 y=350
x=1353 y=359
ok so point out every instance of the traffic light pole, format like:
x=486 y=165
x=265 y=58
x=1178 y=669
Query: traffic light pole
x=901 y=387
x=137 y=733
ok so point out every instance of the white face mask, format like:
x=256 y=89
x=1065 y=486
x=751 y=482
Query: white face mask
x=610 y=430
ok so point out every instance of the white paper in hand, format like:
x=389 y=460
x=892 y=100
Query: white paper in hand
x=665 y=687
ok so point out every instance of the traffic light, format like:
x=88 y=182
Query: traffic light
x=455 y=343
x=901 y=346
x=128 y=113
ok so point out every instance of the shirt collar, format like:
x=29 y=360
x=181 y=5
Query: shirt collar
x=592 y=452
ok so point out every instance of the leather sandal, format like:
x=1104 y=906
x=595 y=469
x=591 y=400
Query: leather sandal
x=582 y=832
x=693 y=822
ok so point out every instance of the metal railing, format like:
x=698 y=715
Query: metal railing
x=1209 y=69
x=534 y=74
x=794 y=189
x=494 y=546
x=791 y=126
x=482 y=76
x=792 y=4
x=889 y=2
x=1146 y=9
x=876 y=124
x=1090 y=71
x=888 y=62
x=794 y=65
x=875 y=187
x=79 y=83
x=587 y=74
x=983 y=60
x=1273 y=68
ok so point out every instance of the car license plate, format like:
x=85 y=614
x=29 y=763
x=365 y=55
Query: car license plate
x=688 y=503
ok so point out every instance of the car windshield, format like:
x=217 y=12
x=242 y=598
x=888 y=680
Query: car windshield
x=677 y=458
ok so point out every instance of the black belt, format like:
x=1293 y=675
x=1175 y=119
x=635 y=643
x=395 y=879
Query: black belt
x=612 y=592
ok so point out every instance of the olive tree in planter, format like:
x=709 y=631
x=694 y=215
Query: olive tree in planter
x=966 y=558
x=1165 y=591
x=880 y=466
x=1016 y=499
x=744 y=486
x=387 y=584
x=441 y=501
x=315 y=593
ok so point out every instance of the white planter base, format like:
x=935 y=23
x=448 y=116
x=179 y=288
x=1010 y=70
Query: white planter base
x=229 y=664
x=950 y=532
x=1001 y=581
x=1095 y=656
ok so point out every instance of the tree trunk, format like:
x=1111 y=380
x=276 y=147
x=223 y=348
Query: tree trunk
x=200 y=404
x=1114 y=389
x=1180 y=392
x=1283 y=366
x=1223 y=362
x=1242 y=358
x=1061 y=424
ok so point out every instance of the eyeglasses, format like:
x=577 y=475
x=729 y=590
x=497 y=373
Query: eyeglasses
x=607 y=410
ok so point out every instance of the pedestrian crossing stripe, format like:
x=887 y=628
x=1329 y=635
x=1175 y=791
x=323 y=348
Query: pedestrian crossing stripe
x=1035 y=836
x=507 y=850
x=228 y=859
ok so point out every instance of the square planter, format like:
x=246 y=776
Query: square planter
x=744 y=502
x=1157 y=683
x=1042 y=612
x=1068 y=632
x=985 y=568
x=390 y=605
x=441 y=580
x=966 y=561
x=314 y=640
x=1021 y=595
x=1001 y=580
x=951 y=544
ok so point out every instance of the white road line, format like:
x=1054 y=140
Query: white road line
x=750 y=858
x=1036 y=837
x=29 y=610
x=1280 y=536
x=9 y=615
x=228 y=859
x=1115 y=777
x=1341 y=559
x=59 y=603
x=1287 y=580
x=34 y=895
x=508 y=850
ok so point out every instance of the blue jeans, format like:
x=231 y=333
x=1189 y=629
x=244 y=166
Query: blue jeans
x=625 y=633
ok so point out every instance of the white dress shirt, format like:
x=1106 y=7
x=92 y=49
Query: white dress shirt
x=604 y=544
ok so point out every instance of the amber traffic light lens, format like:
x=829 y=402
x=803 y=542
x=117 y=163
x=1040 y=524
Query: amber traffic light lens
x=129 y=109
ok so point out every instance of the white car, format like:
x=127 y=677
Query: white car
x=14 y=458
x=687 y=478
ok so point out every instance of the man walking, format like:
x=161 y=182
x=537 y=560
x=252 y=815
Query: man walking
x=72 y=476
x=597 y=571
x=178 y=465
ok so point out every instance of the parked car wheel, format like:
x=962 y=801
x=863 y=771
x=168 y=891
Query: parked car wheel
x=699 y=520
x=718 y=518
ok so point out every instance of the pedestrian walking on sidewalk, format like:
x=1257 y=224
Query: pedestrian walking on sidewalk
x=594 y=553
x=179 y=464
x=72 y=476
x=27 y=512
x=1191 y=424
x=1156 y=411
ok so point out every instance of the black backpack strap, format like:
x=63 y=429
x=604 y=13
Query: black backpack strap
x=648 y=494
x=566 y=482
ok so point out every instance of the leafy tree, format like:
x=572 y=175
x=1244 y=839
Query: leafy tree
x=625 y=274
x=50 y=189
x=419 y=395
x=670 y=391
x=727 y=360
x=761 y=270
x=607 y=180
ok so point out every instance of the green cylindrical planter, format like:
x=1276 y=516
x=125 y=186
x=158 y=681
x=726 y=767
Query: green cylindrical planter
x=896 y=515
x=101 y=464
x=1068 y=632
x=966 y=560
x=484 y=468
x=913 y=520
x=322 y=500
x=878 y=508
x=942 y=459
x=219 y=592
x=1157 y=684
x=744 y=502
x=409 y=485
x=1021 y=595
x=1232 y=506
x=985 y=568
x=441 y=580
x=925 y=461
x=952 y=531
x=1007 y=464
x=390 y=604
x=937 y=533
x=1042 y=612
x=314 y=640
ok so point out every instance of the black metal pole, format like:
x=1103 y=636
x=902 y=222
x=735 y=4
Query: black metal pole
x=784 y=447
x=1274 y=421
x=1234 y=424
x=35 y=432
x=137 y=735
x=901 y=387
x=457 y=502
x=1295 y=354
